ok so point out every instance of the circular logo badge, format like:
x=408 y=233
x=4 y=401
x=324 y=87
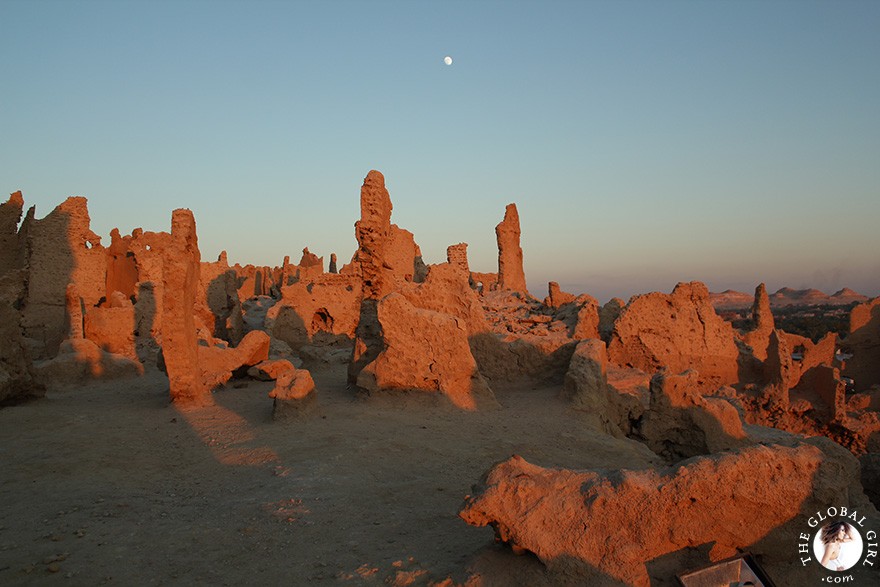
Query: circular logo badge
x=838 y=545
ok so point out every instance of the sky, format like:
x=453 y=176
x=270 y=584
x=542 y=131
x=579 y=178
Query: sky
x=644 y=143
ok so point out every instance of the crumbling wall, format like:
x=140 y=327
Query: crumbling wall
x=147 y=251
x=524 y=340
x=425 y=351
x=606 y=527
x=780 y=373
x=256 y=281
x=17 y=382
x=111 y=326
x=586 y=388
x=122 y=270
x=402 y=255
x=456 y=255
x=328 y=307
x=863 y=343
x=680 y=422
x=59 y=249
x=484 y=282
x=426 y=331
x=811 y=371
x=802 y=391
x=311 y=266
x=416 y=339
x=556 y=297
x=10 y=216
x=826 y=382
x=218 y=303
x=580 y=314
x=680 y=331
x=608 y=315
x=446 y=290
x=797 y=370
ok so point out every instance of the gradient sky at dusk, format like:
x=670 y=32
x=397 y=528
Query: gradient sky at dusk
x=644 y=143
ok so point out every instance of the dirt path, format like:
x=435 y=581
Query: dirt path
x=110 y=484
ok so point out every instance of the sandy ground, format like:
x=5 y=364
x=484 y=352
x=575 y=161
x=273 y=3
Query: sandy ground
x=109 y=484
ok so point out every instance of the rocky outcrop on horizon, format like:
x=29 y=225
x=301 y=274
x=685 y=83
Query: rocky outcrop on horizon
x=785 y=297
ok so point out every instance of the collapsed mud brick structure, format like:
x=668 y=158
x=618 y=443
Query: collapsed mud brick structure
x=720 y=406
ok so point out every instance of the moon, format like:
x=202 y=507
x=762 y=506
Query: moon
x=447 y=60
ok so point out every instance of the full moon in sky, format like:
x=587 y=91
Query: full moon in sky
x=447 y=60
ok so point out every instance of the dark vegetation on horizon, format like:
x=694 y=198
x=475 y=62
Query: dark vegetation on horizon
x=813 y=322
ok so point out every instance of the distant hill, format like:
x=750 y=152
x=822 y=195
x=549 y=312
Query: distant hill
x=730 y=299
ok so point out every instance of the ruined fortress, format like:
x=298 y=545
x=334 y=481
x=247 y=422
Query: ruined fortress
x=720 y=406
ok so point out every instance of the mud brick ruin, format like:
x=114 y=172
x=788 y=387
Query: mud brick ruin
x=719 y=405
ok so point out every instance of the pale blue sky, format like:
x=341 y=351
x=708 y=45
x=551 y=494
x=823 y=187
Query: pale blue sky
x=645 y=143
